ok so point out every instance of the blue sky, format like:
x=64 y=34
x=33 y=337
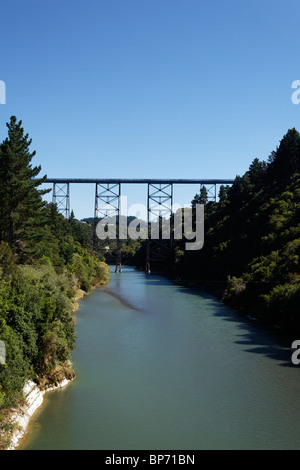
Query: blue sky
x=148 y=88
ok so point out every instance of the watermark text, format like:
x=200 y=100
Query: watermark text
x=185 y=223
x=296 y=94
x=296 y=354
x=2 y=353
x=2 y=92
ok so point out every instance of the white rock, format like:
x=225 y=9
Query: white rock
x=34 y=398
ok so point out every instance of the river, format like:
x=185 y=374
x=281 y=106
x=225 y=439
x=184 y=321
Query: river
x=161 y=366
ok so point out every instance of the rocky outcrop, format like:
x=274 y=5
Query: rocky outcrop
x=33 y=399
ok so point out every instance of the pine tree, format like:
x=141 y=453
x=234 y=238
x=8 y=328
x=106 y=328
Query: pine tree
x=21 y=202
x=201 y=198
x=223 y=191
x=284 y=163
x=203 y=195
x=257 y=171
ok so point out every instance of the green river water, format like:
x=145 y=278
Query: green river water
x=160 y=366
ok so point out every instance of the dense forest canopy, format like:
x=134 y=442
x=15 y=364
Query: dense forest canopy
x=251 y=250
x=45 y=260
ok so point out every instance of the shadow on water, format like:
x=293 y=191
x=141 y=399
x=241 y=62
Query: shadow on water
x=257 y=337
x=121 y=299
x=156 y=280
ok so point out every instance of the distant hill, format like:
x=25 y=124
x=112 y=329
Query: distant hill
x=91 y=220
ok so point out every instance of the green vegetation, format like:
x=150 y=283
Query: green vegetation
x=251 y=251
x=128 y=249
x=45 y=263
x=250 y=259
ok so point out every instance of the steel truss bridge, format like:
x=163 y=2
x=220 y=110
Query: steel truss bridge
x=108 y=193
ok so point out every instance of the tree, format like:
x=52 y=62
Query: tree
x=251 y=253
x=256 y=173
x=223 y=191
x=284 y=163
x=203 y=195
x=240 y=191
x=201 y=198
x=21 y=202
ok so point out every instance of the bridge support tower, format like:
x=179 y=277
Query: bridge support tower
x=108 y=205
x=160 y=223
x=211 y=191
x=61 y=197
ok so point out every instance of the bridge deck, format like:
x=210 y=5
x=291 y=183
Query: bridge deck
x=138 y=181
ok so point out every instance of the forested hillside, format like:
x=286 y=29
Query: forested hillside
x=251 y=251
x=45 y=260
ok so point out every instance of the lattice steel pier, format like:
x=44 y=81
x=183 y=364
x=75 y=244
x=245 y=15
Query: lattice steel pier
x=159 y=203
x=61 y=197
x=108 y=206
x=159 y=221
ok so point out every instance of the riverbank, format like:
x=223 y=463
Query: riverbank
x=33 y=400
x=19 y=418
x=219 y=291
x=186 y=372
